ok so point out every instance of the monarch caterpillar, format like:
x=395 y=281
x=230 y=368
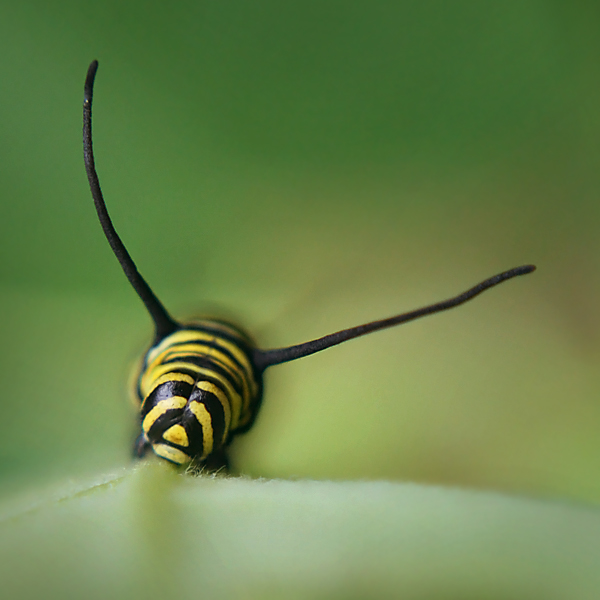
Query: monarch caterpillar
x=201 y=383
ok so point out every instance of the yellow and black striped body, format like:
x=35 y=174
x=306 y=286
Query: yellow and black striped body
x=198 y=387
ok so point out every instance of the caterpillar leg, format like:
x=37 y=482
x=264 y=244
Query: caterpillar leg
x=140 y=446
x=217 y=461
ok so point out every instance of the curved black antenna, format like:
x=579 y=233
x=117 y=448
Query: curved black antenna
x=163 y=321
x=267 y=358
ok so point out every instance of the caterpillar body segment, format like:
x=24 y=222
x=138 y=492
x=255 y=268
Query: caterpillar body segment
x=201 y=383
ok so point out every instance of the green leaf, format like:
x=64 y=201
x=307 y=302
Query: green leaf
x=150 y=532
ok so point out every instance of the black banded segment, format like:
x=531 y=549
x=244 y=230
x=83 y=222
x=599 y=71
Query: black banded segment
x=164 y=391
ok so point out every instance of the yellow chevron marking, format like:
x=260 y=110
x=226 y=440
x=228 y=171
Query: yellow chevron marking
x=160 y=409
x=199 y=411
x=173 y=377
x=176 y=435
x=166 y=378
x=172 y=454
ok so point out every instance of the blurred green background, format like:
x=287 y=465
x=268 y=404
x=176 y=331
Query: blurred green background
x=300 y=168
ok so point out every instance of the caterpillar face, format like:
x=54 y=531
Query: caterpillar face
x=198 y=387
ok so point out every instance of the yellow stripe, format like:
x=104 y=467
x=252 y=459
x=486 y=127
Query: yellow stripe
x=212 y=373
x=181 y=350
x=174 y=377
x=179 y=336
x=177 y=435
x=190 y=335
x=234 y=399
x=152 y=374
x=158 y=371
x=203 y=416
x=235 y=407
x=193 y=343
x=200 y=350
x=218 y=357
x=160 y=409
x=234 y=350
x=231 y=367
x=172 y=454
x=207 y=386
x=166 y=378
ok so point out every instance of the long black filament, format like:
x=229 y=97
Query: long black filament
x=267 y=358
x=164 y=323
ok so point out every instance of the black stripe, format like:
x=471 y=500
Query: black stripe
x=215 y=410
x=165 y=391
x=206 y=362
x=193 y=374
x=218 y=347
x=194 y=432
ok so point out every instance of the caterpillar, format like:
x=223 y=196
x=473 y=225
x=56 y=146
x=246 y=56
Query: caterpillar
x=201 y=383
